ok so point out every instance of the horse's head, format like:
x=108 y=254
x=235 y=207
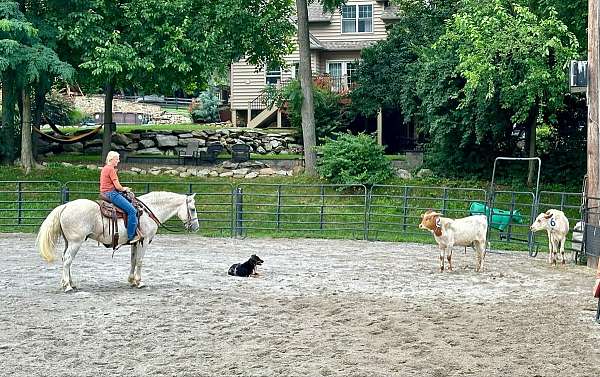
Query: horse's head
x=187 y=213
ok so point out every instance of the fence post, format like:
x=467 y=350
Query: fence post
x=278 y=209
x=19 y=202
x=444 y=201
x=531 y=235
x=239 y=211
x=405 y=207
x=367 y=211
x=510 y=215
x=321 y=215
x=65 y=195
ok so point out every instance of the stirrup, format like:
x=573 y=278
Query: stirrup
x=134 y=240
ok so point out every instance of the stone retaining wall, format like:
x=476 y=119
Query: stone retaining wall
x=169 y=143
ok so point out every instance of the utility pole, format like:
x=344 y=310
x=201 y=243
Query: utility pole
x=592 y=188
x=592 y=102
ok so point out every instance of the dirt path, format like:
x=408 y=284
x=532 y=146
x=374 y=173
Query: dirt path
x=320 y=308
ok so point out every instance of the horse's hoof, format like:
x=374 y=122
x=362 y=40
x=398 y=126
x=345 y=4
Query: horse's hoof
x=140 y=285
x=69 y=289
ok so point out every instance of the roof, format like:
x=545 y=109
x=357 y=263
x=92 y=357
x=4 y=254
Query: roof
x=315 y=44
x=317 y=14
x=346 y=45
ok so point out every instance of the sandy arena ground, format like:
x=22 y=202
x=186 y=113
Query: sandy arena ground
x=319 y=308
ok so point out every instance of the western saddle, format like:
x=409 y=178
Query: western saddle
x=113 y=214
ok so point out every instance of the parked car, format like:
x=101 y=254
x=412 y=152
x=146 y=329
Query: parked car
x=152 y=98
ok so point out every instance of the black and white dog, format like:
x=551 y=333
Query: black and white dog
x=247 y=268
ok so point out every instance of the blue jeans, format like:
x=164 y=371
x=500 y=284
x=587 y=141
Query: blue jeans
x=117 y=199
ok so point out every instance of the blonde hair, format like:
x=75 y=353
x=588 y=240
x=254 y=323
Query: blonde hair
x=111 y=155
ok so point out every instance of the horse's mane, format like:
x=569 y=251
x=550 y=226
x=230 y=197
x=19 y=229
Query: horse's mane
x=159 y=196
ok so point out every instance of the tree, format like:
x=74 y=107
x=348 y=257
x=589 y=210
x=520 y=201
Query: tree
x=304 y=69
x=26 y=62
x=388 y=71
x=497 y=67
x=156 y=46
x=16 y=34
x=572 y=13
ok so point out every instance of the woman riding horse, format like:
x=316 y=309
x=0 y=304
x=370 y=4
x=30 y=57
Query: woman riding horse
x=111 y=188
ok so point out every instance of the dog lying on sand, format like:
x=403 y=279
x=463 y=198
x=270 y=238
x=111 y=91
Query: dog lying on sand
x=247 y=268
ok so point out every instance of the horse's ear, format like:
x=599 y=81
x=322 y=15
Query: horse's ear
x=193 y=195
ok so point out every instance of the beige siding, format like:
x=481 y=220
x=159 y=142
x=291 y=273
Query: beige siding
x=333 y=31
x=246 y=83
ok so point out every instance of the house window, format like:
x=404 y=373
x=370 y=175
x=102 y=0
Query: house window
x=350 y=71
x=341 y=73
x=357 y=18
x=295 y=71
x=273 y=75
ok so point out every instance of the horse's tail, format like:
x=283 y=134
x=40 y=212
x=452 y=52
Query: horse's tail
x=48 y=234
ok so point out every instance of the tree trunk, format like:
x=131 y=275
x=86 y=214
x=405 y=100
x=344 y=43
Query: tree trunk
x=27 y=160
x=308 y=107
x=7 y=131
x=593 y=117
x=107 y=131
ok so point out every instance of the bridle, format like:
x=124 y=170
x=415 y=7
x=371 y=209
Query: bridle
x=188 y=223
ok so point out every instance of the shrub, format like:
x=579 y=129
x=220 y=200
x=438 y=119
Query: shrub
x=58 y=109
x=351 y=159
x=329 y=111
x=205 y=108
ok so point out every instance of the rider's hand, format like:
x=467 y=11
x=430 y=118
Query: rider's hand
x=126 y=189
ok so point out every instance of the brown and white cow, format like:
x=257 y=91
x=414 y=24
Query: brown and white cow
x=468 y=231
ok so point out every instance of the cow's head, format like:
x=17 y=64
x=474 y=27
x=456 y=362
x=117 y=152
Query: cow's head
x=430 y=220
x=543 y=221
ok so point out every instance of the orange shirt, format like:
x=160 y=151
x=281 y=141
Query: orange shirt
x=108 y=177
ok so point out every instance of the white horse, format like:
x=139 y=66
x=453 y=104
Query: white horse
x=80 y=219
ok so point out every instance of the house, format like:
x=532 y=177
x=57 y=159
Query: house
x=336 y=41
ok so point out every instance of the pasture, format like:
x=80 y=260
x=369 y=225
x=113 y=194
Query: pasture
x=319 y=308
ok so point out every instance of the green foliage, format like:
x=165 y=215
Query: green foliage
x=58 y=109
x=351 y=159
x=27 y=59
x=205 y=108
x=496 y=69
x=561 y=144
x=387 y=73
x=330 y=112
x=572 y=13
x=174 y=44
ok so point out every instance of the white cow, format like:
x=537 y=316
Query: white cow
x=557 y=225
x=468 y=231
